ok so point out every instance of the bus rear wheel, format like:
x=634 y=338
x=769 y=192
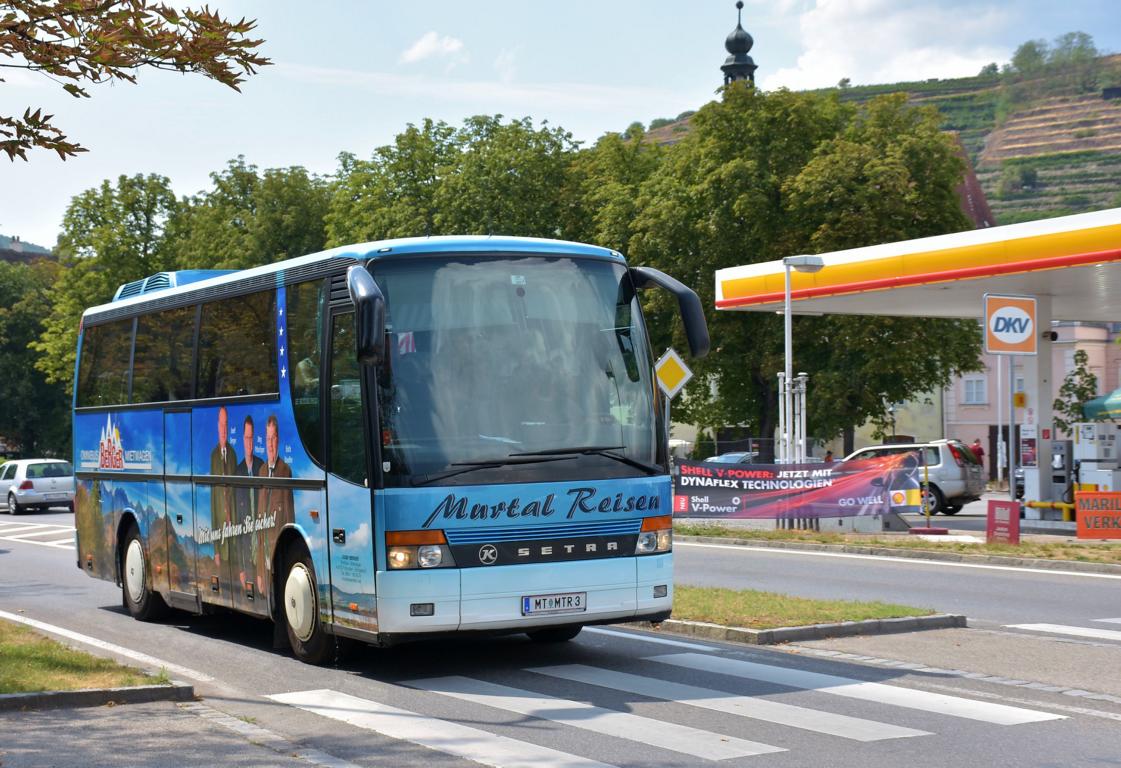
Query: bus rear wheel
x=554 y=634
x=137 y=595
x=300 y=610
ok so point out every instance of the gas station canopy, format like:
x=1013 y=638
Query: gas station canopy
x=1075 y=260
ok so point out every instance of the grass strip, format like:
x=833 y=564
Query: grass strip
x=30 y=662
x=753 y=609
x=1073 y=551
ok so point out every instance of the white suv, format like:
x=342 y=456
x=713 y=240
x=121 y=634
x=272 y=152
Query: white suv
x=955 y=475
x=42 y=483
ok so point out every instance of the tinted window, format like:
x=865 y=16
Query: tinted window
x=305 y=310
x=103 y=372
x=348 y=457
x=7 y=471
x=237 y=346
x=161 y=366
x=51 y=469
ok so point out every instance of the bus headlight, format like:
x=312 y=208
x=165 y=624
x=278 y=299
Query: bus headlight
x=417 y=549
x=656 y=535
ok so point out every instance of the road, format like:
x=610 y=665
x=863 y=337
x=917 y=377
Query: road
x=612 y=696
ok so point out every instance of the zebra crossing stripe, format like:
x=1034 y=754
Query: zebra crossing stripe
x=441 y=735
x=938 y=703
x=753 y=707
x=17 y=528
x=1062 y=629
x=658 y=733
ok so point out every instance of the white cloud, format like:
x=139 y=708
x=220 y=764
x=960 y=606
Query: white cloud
x=883 y=41
x=432 y=45
x=504 y=65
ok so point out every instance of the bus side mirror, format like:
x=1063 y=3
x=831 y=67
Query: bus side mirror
x=369 y=315
x=696 y=329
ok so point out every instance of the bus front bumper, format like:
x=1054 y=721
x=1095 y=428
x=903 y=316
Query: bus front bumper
x=491 y=599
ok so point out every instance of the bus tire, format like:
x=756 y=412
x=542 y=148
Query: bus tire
x=299 y=609
x=555 y=634
x=137 y=595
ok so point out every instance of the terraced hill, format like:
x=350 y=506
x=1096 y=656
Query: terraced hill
x=1041 y=146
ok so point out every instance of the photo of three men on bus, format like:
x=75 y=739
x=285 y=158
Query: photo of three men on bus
x=236 y=504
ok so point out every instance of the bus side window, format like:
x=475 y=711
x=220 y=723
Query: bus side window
x=237 y=346
x=348 y=455
x=104 y=369
x=161 y=366
x=305 y=305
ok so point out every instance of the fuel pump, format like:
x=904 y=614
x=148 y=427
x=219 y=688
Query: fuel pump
x=1095 y=456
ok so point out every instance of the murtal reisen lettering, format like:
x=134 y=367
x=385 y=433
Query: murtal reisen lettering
x=583 y=500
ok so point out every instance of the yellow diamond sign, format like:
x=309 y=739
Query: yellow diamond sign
x=672 y=372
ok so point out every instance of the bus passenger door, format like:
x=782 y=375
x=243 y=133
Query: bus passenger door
x=182 y=549
x=349 y=505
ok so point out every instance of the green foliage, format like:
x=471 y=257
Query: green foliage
x=35 y=415
x=111 y=234
x=1030 y=56
x=1079 y=386
x=765 y=175
x=248 y=219
x=74 y=43
x=659 y=122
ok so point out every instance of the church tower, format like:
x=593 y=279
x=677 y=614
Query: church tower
x=738 y=65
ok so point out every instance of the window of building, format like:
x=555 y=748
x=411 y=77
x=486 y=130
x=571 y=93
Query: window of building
x=976 y=391
x=237 y=346
x=161 y=366
x=103 y=372
x=305 y=309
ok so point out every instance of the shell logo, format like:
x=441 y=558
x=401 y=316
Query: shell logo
x=898 y=497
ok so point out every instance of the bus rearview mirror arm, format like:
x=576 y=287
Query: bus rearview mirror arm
x=369 y=315
x=692 y=314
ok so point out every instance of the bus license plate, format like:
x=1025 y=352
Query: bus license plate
x=561 y=602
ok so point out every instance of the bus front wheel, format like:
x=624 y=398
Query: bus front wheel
x=310 y=643
x=141 y=601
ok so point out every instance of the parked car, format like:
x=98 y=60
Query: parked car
x=955 y=476
x=735 y=457
x=27 y=484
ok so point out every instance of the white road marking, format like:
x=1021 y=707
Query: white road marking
x=6 y=531
x=910 y=698
x=60 y=543
x=1062 y=629
x=1109 y=621
x=143 y=658
x=906 y=560
x=677 y=738
x=26 y=536
x=441 y=735
x=752 y=707
x=648 y=639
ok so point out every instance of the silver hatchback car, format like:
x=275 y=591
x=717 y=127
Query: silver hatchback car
x=36 y=483
x=955 y=475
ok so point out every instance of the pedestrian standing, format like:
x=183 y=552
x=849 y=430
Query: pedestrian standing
x=978 y=451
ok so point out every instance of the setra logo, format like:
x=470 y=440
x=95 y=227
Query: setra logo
x=1010 y=325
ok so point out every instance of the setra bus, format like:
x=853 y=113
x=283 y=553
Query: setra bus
x=382 y=442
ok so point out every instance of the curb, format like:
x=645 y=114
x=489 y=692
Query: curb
x=914 y=554
x=97 y=697
x=810 y=632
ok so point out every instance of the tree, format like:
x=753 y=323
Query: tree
x=35 y=416
x=112 y=234
x=247 y=219
x=1079 y=386
x=1030 y=57
x=78 y=43
x=765 y=175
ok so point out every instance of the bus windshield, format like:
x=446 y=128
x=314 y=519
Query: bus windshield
x=502 y=368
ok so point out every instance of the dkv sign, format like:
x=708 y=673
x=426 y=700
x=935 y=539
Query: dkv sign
x=1010 y=327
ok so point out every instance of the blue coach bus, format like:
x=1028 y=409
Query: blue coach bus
x=382 y=442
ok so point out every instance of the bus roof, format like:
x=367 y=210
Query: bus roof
x=204 y=282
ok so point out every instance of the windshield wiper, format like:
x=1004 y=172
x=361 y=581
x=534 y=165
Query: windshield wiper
x=598 y=450
x=463 y=467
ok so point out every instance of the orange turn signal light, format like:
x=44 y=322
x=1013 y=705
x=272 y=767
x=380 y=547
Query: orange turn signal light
x=657 y=523
x=414 y=538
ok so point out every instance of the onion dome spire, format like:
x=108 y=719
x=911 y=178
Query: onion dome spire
x=738 y=65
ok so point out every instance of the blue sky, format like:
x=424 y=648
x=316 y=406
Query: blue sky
x=351 y=75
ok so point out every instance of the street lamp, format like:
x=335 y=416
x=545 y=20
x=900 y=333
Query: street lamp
x=786 y=416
